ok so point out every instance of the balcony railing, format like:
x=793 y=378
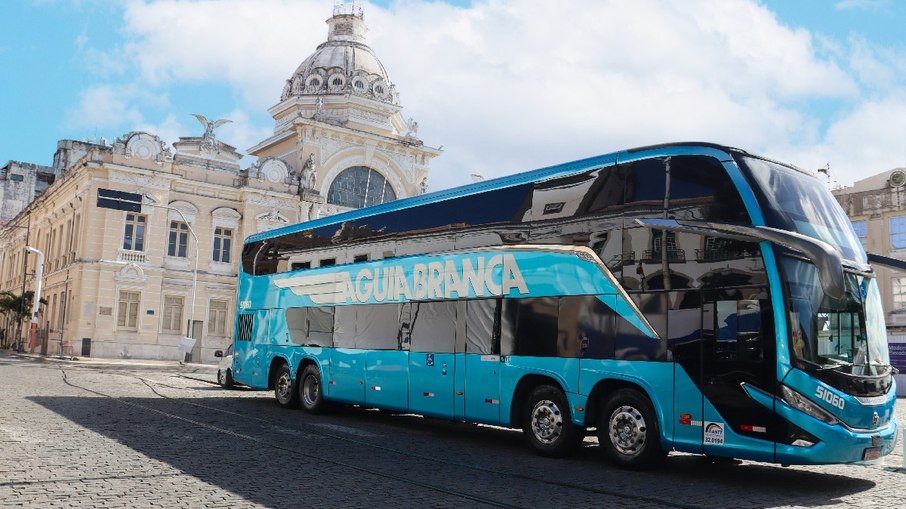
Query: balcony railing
x=655 y=256
x=129 y=256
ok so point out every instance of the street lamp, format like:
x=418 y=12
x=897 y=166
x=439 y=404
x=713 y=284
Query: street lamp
x=194 y=271
x=24 y=279
x=120 y=200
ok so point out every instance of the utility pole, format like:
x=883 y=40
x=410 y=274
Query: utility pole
x=24 y=276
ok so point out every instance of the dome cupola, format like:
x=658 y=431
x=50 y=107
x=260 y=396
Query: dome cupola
x=344 y=64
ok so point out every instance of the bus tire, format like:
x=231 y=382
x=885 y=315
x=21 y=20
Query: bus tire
x=311 y=391
x=628 y=431
x=285 y=388
x=547 y=423
x=225 y=378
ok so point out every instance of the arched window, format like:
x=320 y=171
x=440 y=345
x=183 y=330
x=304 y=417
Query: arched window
x=360 y=186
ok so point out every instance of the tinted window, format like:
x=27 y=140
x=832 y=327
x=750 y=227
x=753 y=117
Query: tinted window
x=700 y=188
x=377 y=326
x=310 y=326
x=586 y=328
x=482 y=319
x=429 y=326
x=632 y=343
x=646 y=184
x=529 y=327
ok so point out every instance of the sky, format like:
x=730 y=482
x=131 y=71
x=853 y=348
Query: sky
x=502 y=86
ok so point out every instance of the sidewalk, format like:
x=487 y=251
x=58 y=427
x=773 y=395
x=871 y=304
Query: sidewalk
x=167 y=365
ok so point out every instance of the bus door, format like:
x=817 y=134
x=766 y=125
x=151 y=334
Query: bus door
x=737 y=348
x=685 y=335
x=428 y=330
x=346 y=374
x=480 y=372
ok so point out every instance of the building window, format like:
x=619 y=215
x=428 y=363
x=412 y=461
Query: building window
x=360 y=186
x=898 y=232
x=172 y=319
x=179 y=238
x=217 y=317
x=134 y=235
x=861 y=229
x=223 y=243
x=899 y=293
x=127 y=315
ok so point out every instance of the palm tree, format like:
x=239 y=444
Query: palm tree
x=12 y=305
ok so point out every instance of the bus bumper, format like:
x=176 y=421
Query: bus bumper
x=837 y=444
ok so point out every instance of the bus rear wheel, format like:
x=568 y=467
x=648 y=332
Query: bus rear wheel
x=547 y=423
x=310 y=390
x=628 y=431
x=285 y=388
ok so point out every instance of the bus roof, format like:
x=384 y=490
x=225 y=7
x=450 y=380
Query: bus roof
x=487 y=185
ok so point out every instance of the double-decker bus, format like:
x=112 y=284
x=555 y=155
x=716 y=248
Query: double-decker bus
x=684 y=297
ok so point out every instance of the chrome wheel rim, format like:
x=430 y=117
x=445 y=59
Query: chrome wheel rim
x=310 y=390
x=628 y=430
x=284 y=387
x=547 y=421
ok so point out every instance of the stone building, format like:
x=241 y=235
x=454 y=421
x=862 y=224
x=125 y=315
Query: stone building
x=19 y=184
x=876 y=207
x=132 y=283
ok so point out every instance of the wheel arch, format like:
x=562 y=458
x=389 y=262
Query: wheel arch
x=524 y=387
x=276 y=362
x=599 y=393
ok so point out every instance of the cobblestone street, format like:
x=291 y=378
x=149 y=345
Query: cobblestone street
x=78 y=434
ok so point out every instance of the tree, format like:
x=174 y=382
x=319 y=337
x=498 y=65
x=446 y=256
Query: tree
x=12 y=306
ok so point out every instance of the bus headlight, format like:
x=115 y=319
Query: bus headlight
x=800 y=402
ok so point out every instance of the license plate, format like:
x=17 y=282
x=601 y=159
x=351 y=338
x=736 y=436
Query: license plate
x=871 y=453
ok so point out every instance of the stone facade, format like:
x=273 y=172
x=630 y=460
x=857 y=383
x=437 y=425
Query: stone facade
x=877 y=208
x=19 y=184
x=128 y=283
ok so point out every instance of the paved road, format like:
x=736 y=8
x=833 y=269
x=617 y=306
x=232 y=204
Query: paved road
x=162 y=435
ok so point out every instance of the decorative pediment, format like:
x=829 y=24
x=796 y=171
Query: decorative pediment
x=131 y=272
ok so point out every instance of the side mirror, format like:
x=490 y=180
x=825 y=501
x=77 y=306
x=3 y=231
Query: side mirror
x=218 y=353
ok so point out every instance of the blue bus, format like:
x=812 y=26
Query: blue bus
x=683 y=297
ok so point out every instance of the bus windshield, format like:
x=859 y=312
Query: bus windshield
x=794 y=201
x=846 y=336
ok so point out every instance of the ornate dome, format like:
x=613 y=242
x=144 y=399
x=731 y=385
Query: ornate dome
x=344 y=64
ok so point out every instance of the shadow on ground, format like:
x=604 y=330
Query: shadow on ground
x=267 y=455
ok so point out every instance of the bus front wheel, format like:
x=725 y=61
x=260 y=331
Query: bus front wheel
x=285 y=388
x=310 y=390
x=547 y=423
x=628 y=431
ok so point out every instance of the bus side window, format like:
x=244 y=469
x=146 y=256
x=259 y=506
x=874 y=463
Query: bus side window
x=431 y=326
x=585 y=328
x=482 y=317
x=320 y=326
x=376 y=326
x=532 y=326
x=701 y=189
x=310 y=326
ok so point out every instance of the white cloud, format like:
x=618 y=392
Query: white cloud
x=106 y=106
x=512 y=85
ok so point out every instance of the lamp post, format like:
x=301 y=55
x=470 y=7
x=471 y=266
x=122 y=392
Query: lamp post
x=191 y=319
x=108 y=198
x=24 y=278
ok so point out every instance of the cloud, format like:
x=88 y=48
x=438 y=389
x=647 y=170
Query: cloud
x=106 y=106
x=507 y=86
